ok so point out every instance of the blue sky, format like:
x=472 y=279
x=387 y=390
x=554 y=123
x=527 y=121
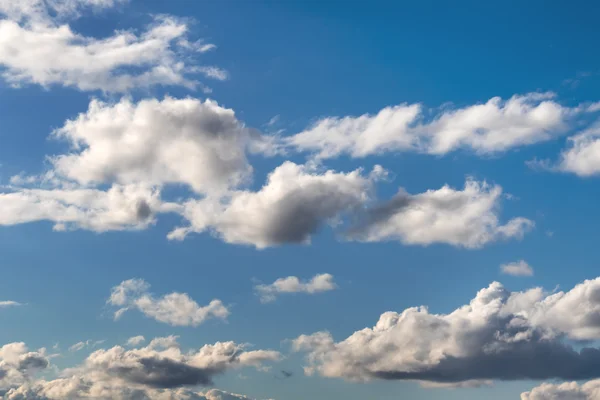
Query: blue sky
x=351 y=161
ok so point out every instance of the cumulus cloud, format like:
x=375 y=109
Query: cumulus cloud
x=17 y=364
x=495 y=126
x=564 y=391
x=465 y=218
x=158 y=371
x=518 y=268
x=294 y=203
x=155 y=142
x=9 y=303
x=319 y=283
x=135 y=340
x=38 y=47
x=582 y=157
x=499 y=335
x=176 y=309
x=121 y=207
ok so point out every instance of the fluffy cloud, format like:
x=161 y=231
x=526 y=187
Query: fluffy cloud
x=583 y=156
x=519 y=268
x=319 y=283
x=159 y=371
x=564 y=391
x=465 y=218
x=17 y=364
x=122 y=207
x=498 y=335
x=495 y=126
x=294 y=203
x=36 y=49
x=173 y=141
x=176 y=309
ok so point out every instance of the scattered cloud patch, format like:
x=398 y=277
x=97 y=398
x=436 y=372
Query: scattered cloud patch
x=491 y=127
x=38 y=47
x=319 y=283
x=518 y=268
x=82 y=345
x=176 y=309
x=135 y=340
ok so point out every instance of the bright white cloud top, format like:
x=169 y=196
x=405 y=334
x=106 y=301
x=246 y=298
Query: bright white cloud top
x=499 y=335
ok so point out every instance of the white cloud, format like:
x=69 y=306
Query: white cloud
x=176 y=309
x=173 y=141
x=135 y=340
x=518 y=268
x=498 y=335
x=582 y=157
x=9 y=303
x=465 y=218
x=160 y=371
x=130 y=207
x=491 y=127
x=294 y=203
x=37 y=48
x=44 y=11
x=319 y=283
x=564 y=391
x=17 y=364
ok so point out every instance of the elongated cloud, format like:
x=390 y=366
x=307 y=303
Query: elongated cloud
x=176 y=309
x=158 y=371
x=294 y=203
x=564 y=391
x=464 y=218
x=136 y=340
x=495 y=126
x=498 y=335
x=9 y=303
x=37 y=47
x=121 y=207
x=319 y=283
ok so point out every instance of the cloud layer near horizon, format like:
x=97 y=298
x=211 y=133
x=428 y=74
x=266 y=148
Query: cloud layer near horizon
x=158 y=371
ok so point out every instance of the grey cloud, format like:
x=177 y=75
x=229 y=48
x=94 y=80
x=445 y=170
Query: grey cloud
x=164 y=373
x=463 y=218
